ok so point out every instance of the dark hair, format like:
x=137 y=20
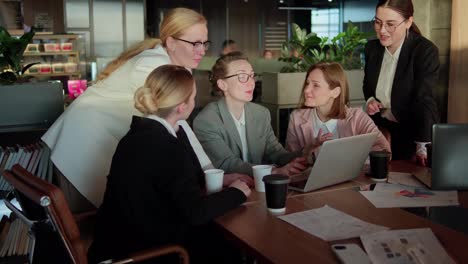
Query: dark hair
x=335 y=76
x=228 y=42
x=403 y=7
x=220 y=68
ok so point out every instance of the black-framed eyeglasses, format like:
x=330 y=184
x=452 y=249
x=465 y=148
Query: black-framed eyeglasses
x=243 y=77
x=197 y=44
x=389 y=27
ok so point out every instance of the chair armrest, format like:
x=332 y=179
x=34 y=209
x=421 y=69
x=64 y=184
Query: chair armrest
x=156 y=252
x=85 y=216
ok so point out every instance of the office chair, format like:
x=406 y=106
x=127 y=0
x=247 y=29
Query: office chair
x=52 y=228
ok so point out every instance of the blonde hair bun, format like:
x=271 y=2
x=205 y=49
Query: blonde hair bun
x=166 y=87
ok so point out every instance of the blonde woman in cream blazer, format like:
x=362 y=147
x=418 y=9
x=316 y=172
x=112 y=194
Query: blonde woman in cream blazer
x=84 y=138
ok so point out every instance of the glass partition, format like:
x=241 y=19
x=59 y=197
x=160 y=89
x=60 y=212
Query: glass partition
x=77 y=13
x=108 y=28
x=135 y=21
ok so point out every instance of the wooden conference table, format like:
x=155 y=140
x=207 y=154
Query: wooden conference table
x=271 y=240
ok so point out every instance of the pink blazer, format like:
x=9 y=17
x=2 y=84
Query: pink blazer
x=357 y=122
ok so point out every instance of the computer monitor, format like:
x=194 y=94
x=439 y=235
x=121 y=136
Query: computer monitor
x=29 y=106
x=450 y=156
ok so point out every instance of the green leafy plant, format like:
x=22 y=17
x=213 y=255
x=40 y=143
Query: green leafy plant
x=11 y=54
x=303 y=49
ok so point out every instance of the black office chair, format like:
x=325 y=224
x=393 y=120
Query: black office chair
x=54 y=233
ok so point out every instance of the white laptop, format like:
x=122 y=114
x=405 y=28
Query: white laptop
x=339 y=160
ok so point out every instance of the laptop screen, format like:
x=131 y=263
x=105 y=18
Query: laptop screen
x=450 y=156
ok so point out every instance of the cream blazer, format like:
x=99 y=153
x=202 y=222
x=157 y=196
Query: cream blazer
x=84 y=138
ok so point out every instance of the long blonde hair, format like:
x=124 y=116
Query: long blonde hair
x=174 y=23
x=166 y=87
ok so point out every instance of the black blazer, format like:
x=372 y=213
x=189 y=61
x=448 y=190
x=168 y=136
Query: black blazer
x=153 y=194
x=416 y=75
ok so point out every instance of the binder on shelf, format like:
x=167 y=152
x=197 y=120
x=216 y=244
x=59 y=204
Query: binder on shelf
x=2 y=153
x=34 y=157
x=4 y=159
x=4 y=227
x=22 y=154
x=40 y=150
x=32 y=160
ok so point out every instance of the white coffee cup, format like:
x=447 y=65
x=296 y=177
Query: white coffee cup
x=259 y=171
x=214 y=180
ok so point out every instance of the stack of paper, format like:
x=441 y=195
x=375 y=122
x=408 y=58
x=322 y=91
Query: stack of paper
x=330 y=224
x=405 y=246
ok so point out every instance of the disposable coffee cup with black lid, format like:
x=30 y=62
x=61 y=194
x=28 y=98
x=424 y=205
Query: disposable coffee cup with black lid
x=276 y=190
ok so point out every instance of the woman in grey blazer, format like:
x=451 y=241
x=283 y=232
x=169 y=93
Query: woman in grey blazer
x=235 y=133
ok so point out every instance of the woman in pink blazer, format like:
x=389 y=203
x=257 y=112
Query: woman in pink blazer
x=324 y=113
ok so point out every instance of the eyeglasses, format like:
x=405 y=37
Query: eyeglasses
x=243 y=77
x=389 y=27
x=197 y=44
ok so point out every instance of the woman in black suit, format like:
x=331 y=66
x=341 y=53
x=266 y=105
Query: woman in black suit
x=153 y=194
x=401 y=70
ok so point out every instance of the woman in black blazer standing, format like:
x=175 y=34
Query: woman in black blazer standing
x=154 y=188
x=401 y=70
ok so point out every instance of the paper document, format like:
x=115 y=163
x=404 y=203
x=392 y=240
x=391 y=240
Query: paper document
x=405 y=246
x=386 y=195
x=330 y=224
x=404 y=179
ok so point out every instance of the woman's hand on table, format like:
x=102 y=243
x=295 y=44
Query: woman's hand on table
x=232 y=177
x=241 y=186
x=296 y=166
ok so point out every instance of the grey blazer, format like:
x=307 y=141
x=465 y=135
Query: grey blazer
x=215 y=129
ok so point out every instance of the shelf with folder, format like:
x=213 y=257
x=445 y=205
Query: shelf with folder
x=77 y=74
x=52 y=50
x=49 y=53
x=41 y=36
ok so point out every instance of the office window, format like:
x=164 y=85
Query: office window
x=135 y=24
x=108 y=28
x=77 y=13
x=360 y=13
x=325 y=22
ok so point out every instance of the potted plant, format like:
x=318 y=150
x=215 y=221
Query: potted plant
x=305 y=49
x=33 y=105
x=345 y=48
x=11 y=51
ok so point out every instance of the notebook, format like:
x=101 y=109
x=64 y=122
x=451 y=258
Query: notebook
x=339 y=160
x=449 y=158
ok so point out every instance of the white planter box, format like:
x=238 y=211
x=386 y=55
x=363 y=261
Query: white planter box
x=282 y=88
x=355 y=77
